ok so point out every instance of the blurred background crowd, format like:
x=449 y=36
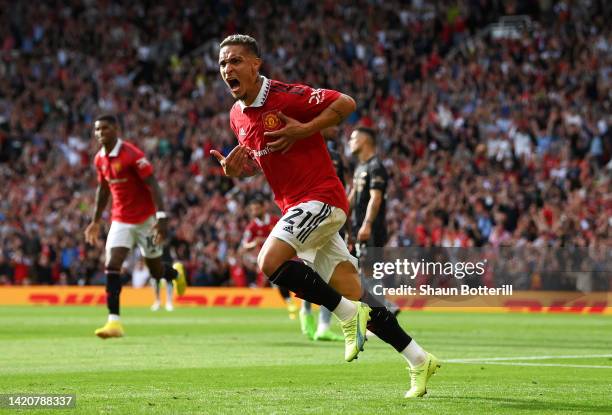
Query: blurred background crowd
x=489 y=139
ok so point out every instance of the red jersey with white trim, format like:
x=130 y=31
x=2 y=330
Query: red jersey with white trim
x=260 y=228
x=124 y=169
x=304 y=173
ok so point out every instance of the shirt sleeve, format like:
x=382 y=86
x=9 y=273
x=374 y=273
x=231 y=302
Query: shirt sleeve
x=141 y=164
x=305 y=103
x=378 y=177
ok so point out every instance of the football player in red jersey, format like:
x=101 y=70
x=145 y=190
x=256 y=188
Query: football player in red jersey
x=278 y=129
x=256 y=232
x=137 y=215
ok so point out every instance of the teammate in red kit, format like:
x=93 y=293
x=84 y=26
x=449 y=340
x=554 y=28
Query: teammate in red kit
x=137 y=215
x=278 y=128
x=256 y=232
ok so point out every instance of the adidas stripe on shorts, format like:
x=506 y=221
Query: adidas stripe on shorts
x=311 y=228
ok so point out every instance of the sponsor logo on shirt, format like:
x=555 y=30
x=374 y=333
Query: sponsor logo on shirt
x=242 y=133
x=317 y=95
x=142 y=163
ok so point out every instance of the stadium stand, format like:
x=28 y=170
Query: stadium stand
x=496 y=131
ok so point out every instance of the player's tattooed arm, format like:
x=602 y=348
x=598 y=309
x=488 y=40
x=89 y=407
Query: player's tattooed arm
x=334 y=114
x=339 y=114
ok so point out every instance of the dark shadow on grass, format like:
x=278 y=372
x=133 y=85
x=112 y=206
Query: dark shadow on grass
x=532 y=404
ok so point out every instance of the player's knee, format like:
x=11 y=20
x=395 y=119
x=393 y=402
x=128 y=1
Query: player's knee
x=112 y=267
x=268 y=262
x=114 y=264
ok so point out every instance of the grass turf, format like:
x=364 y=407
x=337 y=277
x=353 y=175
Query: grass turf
x=222 y=360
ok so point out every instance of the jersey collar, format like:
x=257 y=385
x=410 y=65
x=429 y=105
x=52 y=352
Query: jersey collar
x=265 y=221
x=261 y=96
x=115 y=151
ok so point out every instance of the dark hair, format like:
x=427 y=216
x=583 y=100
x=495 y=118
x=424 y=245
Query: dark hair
x=369 y=132
x=257 y=199
x=109 y=118
x=244 y=40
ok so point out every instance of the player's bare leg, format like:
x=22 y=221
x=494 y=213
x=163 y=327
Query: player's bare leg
x=114 y=261
x=345 y=280
x=275 y=261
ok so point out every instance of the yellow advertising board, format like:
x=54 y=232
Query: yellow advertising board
x=519 y=301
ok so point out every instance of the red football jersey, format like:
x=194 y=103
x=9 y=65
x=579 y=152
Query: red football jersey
x=258 y=228
x=124 y=169
x=306 y=171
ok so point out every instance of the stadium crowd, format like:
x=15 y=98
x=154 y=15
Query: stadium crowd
x=489 y=141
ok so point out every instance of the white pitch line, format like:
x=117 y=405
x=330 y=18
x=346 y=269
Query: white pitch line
x=498 y=359
x=535 y=364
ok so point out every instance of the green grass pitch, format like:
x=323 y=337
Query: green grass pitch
x=255 y=361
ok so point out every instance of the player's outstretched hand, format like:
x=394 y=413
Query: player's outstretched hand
x=288 y=135
x=235 y=160
x=91 y=233
x=160 y=230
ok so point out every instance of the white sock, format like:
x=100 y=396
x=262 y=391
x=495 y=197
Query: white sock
x=113 y=317
x=322 y=328
x=169 y=292
x=323 y=324
x=345 y=310
x=414 y=354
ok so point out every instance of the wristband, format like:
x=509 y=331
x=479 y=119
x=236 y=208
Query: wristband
x=161 y=215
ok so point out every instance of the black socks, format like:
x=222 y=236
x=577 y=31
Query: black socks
x=384 y=324
x=306 y=284
x=113 y=290
x=169 y=272
x=284 y=292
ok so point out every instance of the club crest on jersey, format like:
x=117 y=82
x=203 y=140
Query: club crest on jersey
x=271 y=121
x=117 y=167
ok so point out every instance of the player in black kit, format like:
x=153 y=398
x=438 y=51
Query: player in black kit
x=368 y=196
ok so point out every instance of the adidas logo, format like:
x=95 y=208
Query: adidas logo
x=288 y=229
x=242 y=132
